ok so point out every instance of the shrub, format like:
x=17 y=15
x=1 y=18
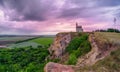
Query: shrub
x=78 y=47
x=72 y=59
x=75 y=43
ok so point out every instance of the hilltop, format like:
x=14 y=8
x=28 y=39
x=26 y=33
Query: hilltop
x=86 y=50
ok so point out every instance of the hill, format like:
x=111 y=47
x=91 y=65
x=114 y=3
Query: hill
x=79 y=52
x=86 y=58
x=107 y=56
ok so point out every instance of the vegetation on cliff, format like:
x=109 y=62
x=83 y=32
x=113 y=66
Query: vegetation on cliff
x=78 y=47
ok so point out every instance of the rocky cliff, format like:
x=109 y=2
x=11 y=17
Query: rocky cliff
x=57 y=49
x=101 y=45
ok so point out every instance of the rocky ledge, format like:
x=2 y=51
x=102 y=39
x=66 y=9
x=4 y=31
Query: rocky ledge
x=55 y=67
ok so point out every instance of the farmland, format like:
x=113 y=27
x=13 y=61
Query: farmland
x=43 y=41
x=24 y=41
x=110 y=37
x=40 y=41
x=10 y=40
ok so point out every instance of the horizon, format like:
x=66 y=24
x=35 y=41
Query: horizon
x=46 y=17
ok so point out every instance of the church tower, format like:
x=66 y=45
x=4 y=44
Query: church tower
x=78 y=28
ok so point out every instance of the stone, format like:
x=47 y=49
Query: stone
x=60 y=43
x=55 y=67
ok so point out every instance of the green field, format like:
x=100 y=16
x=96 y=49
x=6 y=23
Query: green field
x=14 y=38
x=43 y=41
x=24 y=44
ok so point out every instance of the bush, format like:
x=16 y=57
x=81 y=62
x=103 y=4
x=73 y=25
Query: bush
x=72 y=59
x=75 y=43
x=78 y=47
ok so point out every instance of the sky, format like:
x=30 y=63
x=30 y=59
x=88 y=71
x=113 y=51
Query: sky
x=38 y=17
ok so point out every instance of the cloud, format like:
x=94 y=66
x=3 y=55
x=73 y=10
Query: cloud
x=45 y=16
x=23 y=10
x=108 y=3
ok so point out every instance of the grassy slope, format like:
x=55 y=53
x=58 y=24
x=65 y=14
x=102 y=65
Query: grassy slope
x=109 y=64
x=110 y=37
x=112 y=62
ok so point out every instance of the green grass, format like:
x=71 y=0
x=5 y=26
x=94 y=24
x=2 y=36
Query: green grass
x=77 y=47
x=24 y=44
x=43 y=41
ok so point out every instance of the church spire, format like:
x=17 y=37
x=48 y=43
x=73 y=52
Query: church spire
x=76 y=24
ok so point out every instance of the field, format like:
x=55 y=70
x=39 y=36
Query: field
x=113 y=38
x=11 y=40
x=43 y=41
x=24 y=41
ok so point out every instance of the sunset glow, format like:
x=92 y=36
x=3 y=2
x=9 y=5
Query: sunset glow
x=53 y=16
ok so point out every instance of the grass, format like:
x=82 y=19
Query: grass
x=43 y=41
x=109 y=37
x=24 y=44
x=77 y=47
x=109 y=64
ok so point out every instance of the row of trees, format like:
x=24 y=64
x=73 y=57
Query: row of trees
x=108 y=30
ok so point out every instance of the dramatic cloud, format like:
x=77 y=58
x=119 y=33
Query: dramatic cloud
x=52 y=16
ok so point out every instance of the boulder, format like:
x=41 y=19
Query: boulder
x=55 y=67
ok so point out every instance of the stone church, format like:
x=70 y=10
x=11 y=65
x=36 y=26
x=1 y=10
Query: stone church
x=79 y=28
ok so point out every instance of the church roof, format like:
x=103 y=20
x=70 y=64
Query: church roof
x=79 y=26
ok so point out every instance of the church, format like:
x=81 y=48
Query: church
x=79 y=28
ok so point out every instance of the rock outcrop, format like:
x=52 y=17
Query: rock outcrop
x=60 y=42
x=55 y=67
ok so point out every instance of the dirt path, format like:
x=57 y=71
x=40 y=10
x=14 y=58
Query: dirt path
x=91 y=57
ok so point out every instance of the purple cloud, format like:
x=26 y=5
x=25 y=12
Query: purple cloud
x=45 y=16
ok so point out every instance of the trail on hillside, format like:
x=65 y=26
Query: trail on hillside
x=90 y=58
x=94 y=55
